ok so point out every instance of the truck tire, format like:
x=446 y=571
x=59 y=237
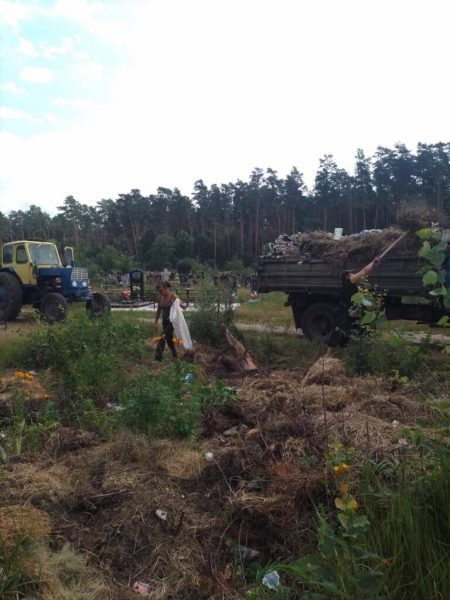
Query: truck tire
x=54 y=307
x=98 y=304
x=14 y=290
x=318 y=322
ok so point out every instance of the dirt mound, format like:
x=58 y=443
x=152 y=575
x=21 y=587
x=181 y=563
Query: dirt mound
x=324 y=371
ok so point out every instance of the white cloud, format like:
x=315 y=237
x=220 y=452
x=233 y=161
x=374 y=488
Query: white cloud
x=208 y=92
x=90 y=71
x=67 y=46
x=26 y=48
x=12 y=113
x=12 y=13
x=36 y=75
x=73 y=102
x=12 y=88
x=51 y=118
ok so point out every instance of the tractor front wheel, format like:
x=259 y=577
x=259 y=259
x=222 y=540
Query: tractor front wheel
x=54 y=307
x=98 y=304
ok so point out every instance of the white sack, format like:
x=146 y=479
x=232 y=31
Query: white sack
x=179 y=324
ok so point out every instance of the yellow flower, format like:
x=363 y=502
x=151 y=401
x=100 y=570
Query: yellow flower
x=343 y=488
x=342 y=468
x=351 y=505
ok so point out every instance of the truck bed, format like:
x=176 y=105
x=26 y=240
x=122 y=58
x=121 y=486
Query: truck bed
x=398 y=276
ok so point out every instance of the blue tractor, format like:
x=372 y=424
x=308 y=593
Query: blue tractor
x=32 y=273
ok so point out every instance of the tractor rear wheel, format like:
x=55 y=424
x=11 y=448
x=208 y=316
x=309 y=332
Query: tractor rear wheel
x=13 y=293
x=98 y=304
x=54 y=307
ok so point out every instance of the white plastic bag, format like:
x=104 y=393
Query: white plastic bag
x=179 y=324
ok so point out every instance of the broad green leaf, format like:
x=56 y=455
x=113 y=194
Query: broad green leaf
x=425 y=250
x=424 y=234
x=357 y=298
x=367 y=302
x=438 y=292
x=395 y=341
x=443 y=321
x=430 y=278
x=368 y=318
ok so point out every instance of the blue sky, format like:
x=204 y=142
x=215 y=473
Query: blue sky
x=101 y=96
x=53 y=66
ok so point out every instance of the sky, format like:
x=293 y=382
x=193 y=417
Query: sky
x=101 y=96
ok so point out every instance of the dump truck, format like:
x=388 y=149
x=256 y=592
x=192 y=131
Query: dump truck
x=32 y=273
x=313 y=285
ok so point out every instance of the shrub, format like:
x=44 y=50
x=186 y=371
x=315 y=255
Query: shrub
x=208 y=325
x=171 y=405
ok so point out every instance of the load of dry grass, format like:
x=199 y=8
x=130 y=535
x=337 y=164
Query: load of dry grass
x=319 y=244
x=412 y=217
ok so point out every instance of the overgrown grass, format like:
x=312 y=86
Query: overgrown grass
x=85 y=357
x=282 y=350
x=266 y=309
x=409 y=514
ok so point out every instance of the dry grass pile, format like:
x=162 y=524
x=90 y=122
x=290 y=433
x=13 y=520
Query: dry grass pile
x=412 y=217
x=319 y=244
x=323 y=371
x=22 y=525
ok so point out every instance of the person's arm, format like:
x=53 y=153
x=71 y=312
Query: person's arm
x=158 y=314
x=365 y=272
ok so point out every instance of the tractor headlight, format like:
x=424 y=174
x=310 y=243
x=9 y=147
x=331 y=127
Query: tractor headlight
x=74 y=284
x=84 y=284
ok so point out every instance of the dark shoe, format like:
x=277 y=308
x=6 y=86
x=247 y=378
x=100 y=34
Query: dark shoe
x=158 y=357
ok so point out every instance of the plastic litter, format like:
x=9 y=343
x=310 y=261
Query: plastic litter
x=179 y=324
x=231 y=431
x=395 y=423
x=245 y=552
x=188 y=378
x=161 y=514
x=141 y=588
x=271 y=580
x=209 y=456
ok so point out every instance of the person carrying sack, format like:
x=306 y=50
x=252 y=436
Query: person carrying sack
x=165 y=301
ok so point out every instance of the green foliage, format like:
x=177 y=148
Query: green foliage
x=207 y=325
x=386 y=357
x=85 y=356
x=185 y=265
x=169 y=405
x=278 y=350
x=183 y=246
x=434 y=252
x=411 y=509
x=13 y=583
x=162 y=253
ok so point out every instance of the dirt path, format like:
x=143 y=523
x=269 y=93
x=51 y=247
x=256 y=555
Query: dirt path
x=413 y=337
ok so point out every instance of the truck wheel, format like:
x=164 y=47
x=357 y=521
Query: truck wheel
x=14 y=294
x=99 y=304
x=54 y=307
x=318 y=322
